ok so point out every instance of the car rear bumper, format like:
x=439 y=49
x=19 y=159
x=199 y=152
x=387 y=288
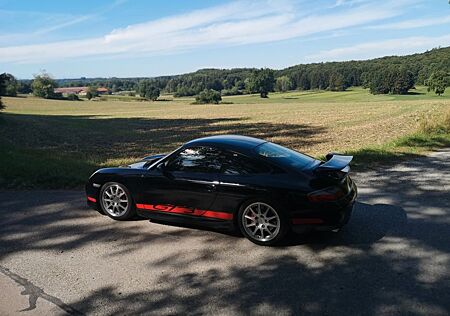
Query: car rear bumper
x=327 y=217
x=324 y=222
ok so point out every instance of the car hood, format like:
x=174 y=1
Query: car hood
x=138 y=165
x=146 y=162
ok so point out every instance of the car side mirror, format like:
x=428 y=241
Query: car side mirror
x=162 y=167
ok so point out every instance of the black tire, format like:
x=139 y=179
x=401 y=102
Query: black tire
x=123 y=212
x=278 y=234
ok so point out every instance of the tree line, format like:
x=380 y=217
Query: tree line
x=393 y=75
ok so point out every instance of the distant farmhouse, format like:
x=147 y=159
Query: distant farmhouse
x=80 y=90
x=102 y=90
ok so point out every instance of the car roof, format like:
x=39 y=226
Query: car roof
x=235 y=142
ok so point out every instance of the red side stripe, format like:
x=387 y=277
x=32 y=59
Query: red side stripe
x=185 y=210
x=91 y=199
x=307 y=221
x=221 y=215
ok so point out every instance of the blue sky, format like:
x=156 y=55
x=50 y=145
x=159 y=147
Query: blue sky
x=127 y=38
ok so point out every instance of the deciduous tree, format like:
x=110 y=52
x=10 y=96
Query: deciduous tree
x=92 y=92
x=148 y=89
x=283 y=84
x=261 y=81
x=10 y=85
x=438 y=81
x=43 y=86
x=337 y=82
x=393 y=79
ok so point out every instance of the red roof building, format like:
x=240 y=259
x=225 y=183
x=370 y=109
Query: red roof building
x=80 y=90
x=102 y=90
x=72 y=90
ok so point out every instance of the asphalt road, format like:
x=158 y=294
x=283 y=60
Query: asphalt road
x=58 y=257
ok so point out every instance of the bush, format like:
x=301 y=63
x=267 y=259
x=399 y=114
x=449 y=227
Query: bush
x=208 y=96
x=57 y=96
x=73 y=97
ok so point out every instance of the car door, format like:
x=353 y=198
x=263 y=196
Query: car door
x=241 y=177
x=185 y=182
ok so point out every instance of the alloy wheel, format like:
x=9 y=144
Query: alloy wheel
x=261 y=222
x=115 y=200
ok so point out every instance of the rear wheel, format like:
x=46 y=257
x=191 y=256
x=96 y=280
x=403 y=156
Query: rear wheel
x=116 y=201
x=261 y=223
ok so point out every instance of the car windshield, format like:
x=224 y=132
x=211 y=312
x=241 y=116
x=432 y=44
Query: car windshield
x=284 y=156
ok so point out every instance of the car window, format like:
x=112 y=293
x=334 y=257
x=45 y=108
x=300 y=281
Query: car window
x=237 y=164
x=196 y=159
x=284 y=156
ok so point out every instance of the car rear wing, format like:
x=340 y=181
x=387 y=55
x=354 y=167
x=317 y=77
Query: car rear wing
x=336 y=165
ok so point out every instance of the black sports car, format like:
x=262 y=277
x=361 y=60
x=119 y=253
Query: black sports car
x=228 y=182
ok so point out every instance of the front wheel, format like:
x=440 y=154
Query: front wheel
x=261 y=223
x=116 y=201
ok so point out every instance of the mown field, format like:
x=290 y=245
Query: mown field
x=57 y=144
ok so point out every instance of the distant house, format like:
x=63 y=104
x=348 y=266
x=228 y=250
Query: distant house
x=72 y=90
x=80 y=90
x=102 y=90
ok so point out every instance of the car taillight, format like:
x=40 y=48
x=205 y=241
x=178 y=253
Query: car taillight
x=326 y=195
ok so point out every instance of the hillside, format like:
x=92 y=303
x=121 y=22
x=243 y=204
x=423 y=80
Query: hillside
x=302 y=77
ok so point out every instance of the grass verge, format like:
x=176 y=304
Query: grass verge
x=433 y=133
x=40 y=169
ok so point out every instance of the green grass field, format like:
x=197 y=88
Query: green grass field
x=354 y=94
x=57 y=144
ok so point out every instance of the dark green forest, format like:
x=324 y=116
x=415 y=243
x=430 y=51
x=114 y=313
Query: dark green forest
x=393 y=74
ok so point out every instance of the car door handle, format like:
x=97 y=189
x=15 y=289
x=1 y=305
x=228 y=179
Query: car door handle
x=210 y=185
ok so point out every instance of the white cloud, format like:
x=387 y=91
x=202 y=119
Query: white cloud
x=339 y=3
x=42 y=23
x=398 y=46
x=64 y=24
x=411 y=24
x=52 y=21
x=237 y=23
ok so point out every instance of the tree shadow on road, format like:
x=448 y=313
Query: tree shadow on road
x=356 y=273
x=368 y=224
